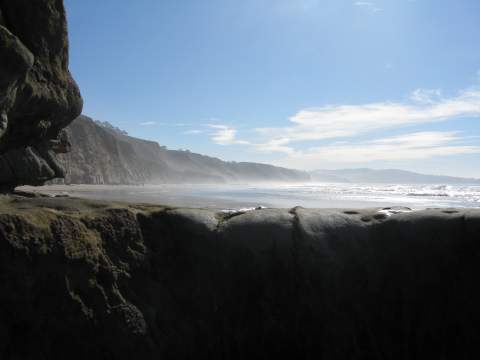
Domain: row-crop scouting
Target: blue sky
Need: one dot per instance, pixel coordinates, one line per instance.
(300, 83)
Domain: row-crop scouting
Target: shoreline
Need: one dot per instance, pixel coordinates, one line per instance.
(207, 197)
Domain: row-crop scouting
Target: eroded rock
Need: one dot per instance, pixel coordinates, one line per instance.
(119, 281)
(38, 96)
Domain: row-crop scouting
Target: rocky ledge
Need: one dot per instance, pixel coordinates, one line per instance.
(92, 280)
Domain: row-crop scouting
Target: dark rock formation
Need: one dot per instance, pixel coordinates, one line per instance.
(88, 280)
(38, 96)
(105, 155)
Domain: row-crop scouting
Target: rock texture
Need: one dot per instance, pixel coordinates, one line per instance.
(38, 96)
(103, 155)
(90, 280)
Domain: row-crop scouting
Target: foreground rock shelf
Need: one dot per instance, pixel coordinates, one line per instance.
(83, 279)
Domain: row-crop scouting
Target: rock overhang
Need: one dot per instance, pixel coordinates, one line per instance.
(38, 96)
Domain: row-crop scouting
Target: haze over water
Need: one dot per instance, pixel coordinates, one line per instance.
(310, 195)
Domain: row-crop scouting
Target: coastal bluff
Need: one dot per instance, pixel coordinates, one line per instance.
(86, 279)
(103, 154)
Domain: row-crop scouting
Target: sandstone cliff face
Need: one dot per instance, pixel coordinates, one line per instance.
(101, 155)
(38, 96)
(90, 280)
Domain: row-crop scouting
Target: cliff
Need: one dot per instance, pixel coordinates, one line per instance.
(38, 96)
(91, 280)
(103, 155)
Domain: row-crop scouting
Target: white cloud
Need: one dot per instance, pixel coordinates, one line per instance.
(426, 96)
(369, 5)
(275, 145)
(148, 123)
(225, 135)
(193, 132)
(414, 146)
(338, 126)
(342, 121)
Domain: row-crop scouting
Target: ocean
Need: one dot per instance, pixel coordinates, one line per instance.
(309, 195)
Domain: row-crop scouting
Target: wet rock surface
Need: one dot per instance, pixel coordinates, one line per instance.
(94, 280)
(38, 96)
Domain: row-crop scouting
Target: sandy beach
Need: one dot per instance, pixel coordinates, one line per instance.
(222, 197)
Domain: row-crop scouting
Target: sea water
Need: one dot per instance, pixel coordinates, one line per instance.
(350, 195)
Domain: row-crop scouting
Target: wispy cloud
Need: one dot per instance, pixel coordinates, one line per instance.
(426, 96)
(225, 135)
(337, 128)
(278, 145)
(368, 5)
(148, 123)
(193, 132)
(343, 121)
(414, 146)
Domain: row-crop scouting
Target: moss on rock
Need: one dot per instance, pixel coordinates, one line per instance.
(115, 281)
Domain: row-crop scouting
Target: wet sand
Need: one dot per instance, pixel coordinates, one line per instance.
(192, 196)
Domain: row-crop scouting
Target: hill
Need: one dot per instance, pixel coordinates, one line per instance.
(102, 154)
(387, 176)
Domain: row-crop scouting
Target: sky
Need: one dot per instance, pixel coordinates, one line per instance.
(306, 84)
